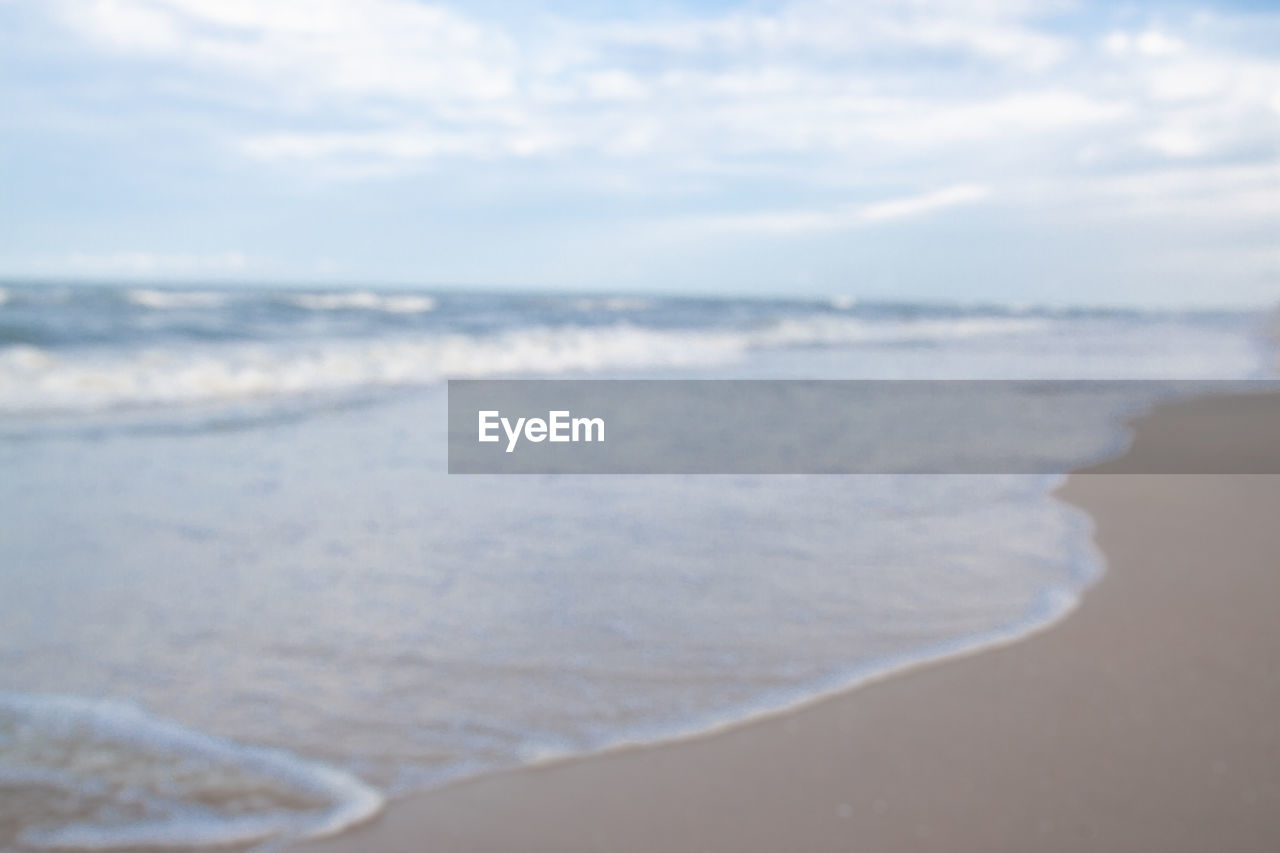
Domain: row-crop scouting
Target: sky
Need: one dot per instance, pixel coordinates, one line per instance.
(986, 150)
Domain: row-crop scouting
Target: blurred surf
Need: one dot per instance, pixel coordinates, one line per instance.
(262, 607)
(92, 349)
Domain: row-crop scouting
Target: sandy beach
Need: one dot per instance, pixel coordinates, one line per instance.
(1147, 719)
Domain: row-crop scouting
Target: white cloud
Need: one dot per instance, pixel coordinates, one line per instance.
(312, 49)
(842, 217)
(765, 108)
(614, 85)
(992, 31)
(414, 81)
(901, 208)
(358, 88)
(368, 87)
(1175, 142)
(1156, 43)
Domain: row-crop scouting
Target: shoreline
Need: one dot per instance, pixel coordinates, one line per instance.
(1020, 746)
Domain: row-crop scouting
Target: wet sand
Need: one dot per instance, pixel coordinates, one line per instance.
(1147, 719)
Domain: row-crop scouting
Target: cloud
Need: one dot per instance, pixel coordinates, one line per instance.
(1147, 43)
(378, 87)
(784, 116)
(902, 208)
(306, 50)
(839, 218)
(409, 81)
(992, 31)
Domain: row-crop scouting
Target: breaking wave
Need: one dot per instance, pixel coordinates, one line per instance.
(363, 300)
(165, 299)
(41, 380)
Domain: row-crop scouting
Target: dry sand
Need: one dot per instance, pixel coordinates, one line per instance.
(1147, 720)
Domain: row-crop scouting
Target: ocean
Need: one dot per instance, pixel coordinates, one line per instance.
(241, 602)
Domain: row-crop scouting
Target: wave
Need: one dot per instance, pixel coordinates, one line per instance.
(837, 331)
(35, 380)
(116, 776)
(363, 300)
(4, 296)
(168, 299)
(612, 304)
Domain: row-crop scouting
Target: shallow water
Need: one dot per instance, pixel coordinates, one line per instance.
(240, 600)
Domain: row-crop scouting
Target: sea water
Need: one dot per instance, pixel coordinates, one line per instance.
(241, 601)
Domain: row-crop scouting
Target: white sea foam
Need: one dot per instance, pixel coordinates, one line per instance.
(183, 787)
(615, 304)
(169, 299)
(364, 300)
(822, 330)
(36, 380)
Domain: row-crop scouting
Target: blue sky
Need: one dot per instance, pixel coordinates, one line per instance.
(980, 150)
